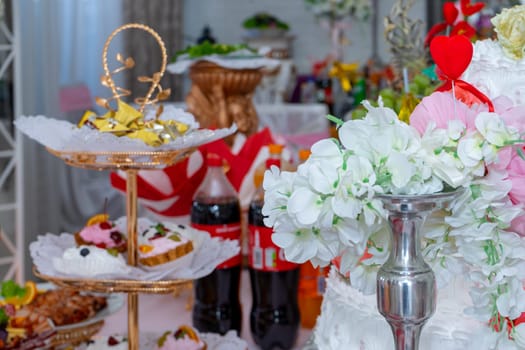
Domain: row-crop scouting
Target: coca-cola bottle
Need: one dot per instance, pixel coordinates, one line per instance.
(216, 209)
(274, 317)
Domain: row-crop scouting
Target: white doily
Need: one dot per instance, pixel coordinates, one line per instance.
(242, 59)
(207, 253)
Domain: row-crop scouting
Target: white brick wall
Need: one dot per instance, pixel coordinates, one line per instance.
(311, 41)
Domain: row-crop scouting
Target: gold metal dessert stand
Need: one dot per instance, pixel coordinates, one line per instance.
(131, 163)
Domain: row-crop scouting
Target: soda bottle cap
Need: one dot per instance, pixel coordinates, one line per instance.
(271, 161)
(213, 159)
(304, 154)
(275, 148)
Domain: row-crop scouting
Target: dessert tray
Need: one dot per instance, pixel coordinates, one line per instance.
(127, 139)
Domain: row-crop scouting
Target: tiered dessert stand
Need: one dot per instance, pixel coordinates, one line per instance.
(131, 163)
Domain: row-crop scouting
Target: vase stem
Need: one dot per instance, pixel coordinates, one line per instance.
(406, 292)
(406, 285)
(406, 336)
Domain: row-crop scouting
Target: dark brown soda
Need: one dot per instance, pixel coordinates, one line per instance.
(217, 308)
(274, 317)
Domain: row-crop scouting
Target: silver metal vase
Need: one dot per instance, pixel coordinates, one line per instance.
(406, 285)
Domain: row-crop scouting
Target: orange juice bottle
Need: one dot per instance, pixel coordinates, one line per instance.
(311, 290)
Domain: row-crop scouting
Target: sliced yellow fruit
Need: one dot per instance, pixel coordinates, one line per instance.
(12, 331)
(144, 248)
(29, 296)
(97, 219)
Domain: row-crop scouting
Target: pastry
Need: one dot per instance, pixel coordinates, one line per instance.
(101, 232)
(184, 338)
(159, 245)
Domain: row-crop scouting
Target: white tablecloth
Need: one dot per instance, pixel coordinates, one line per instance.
(159, 313)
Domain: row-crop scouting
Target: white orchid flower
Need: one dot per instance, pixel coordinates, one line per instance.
(518, 333)
(494, 130)
(299, 244)
(306, 206)
(363, 278)
(278, 188)
(455, 130)
(401, 169)
(512, 303)
(470, 152)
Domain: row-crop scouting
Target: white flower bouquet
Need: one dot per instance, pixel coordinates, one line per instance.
(328, 207)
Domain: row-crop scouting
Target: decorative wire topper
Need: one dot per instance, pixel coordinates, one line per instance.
(126, 120)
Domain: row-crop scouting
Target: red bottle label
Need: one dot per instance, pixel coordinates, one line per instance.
(225, 231)
(263, 254)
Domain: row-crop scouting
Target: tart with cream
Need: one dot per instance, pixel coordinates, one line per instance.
(159, 245)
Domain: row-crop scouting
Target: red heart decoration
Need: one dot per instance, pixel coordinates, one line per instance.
(450, 12)
(469, 9)
(451, 54)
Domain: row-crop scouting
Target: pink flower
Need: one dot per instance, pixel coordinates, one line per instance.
(439, 108)
(510, 160)
(516, 170)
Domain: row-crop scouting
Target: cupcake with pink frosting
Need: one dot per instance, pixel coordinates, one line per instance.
(101, 232)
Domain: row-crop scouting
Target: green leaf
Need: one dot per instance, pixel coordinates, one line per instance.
(337, 121)
(4, 318)
(160, 228)
(206, 49)
(11, 289)
(162, 339)
(520, 153)
(476, 191)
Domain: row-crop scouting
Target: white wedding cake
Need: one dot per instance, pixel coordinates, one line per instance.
(350, 320)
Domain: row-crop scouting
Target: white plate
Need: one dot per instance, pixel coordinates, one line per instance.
(114, 303)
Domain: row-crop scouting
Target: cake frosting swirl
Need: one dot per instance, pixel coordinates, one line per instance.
(496, 74)
(350, 320)
(90, 261)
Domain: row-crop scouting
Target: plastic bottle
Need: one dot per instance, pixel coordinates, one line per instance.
(274, 317)
(312, 284)
(309, 91)
(275, 152)
(216, 209)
